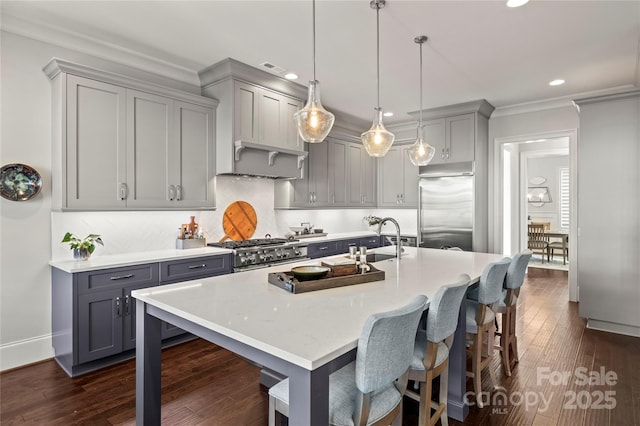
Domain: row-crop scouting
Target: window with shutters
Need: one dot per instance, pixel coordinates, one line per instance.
(564, 197)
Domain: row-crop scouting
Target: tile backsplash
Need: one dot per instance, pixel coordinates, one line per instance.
(135, 231)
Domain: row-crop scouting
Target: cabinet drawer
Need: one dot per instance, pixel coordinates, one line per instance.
(199, 267)
(105, 279)
(322, 249)
(370, 242)
(343, 246)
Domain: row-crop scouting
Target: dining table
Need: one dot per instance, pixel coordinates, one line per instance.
(303, 336)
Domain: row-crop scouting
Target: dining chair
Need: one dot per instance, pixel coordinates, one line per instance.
(369, 390)
(431, 352)
(538, 240)
(480, 320)
(558, 245)
(507, 305)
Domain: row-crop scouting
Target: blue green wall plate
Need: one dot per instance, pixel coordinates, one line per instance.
(19, 182)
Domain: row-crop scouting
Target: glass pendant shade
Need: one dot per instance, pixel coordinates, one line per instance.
(377, 140)
(421, 153)
(313, 121)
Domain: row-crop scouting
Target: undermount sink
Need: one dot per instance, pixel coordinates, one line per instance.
(378, 257)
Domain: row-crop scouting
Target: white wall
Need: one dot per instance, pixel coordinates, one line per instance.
(549, 168)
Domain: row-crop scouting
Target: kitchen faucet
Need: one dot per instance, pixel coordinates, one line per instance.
(398, 240)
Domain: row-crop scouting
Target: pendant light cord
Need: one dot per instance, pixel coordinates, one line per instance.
(378, 48)
(421, 84)
(314, 39)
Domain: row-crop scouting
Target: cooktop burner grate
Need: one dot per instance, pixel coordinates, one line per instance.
(250, 243)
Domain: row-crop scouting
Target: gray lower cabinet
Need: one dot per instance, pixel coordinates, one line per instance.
(331, 248)
(93, 313)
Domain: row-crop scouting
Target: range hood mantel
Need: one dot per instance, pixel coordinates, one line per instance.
(253, 151)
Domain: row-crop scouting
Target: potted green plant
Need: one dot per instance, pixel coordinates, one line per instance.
(82, 248)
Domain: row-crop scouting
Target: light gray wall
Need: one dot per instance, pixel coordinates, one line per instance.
(549, 168)
(609, 211)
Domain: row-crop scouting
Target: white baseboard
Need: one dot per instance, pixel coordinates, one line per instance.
(612, 327)
(23, 352)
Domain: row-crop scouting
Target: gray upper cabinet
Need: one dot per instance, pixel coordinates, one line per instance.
(118, 147)
(397, 179)
(264, 116)
(361, 178)
(452, 137)
(336, 174)
(255, 133)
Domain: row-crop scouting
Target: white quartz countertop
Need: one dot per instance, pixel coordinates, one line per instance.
(128, 259)
(309, 329)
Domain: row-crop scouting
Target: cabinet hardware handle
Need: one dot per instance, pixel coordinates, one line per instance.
(315, 197)
(364, 199)
(447, 153)
(178, 192)
(118, 311)
(123, 191)
(352, 244)
(323, 248)
(198, 266)
(172, 192)
(333, 198)
(121, 277)
(443, 153)
(126, 305)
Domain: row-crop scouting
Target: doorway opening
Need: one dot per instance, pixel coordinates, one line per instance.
(532, 172)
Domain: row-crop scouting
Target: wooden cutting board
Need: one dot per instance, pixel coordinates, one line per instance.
(239, 221)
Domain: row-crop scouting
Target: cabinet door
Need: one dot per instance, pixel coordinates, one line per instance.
(368, 178)
(99, 324)
(339, 178)
(150, 150)
(192, 156)
(129, 318)
(319, 173)
(292, 139)
(354, 175)
(409, 196)
(435, 135)
(246, 112)
(460, 138)
(272, 121)
(95, 145)
(329, 248)
(370, 242)
(390, 183)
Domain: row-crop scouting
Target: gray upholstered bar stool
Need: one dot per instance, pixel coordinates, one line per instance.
(507, 308)
(370, 389)
(480, 320)
(431, 353)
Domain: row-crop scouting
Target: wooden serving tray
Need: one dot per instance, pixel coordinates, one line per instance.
(286, 281)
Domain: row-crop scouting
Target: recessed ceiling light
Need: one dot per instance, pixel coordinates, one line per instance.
(388, 114)
(557, 82)
(291, 76)
(516, 3)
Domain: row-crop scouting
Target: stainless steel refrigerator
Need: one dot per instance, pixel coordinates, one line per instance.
(446, 206)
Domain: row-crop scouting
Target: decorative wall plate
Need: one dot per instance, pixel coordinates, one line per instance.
(19, 182)
(537, 180)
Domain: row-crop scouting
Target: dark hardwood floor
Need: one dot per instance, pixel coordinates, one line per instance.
(206, 385)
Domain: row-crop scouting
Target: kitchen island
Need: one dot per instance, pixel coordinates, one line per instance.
(303, 336)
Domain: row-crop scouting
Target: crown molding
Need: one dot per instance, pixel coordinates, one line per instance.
(479, 106)
(231, 68)
(556, 103)
(178, 76)
(610, 97)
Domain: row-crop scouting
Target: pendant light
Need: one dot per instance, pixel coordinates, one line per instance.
(377, 140)
(421, 152)
(313, 121)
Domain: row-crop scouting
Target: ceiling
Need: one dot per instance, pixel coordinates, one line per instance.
(476, 49)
